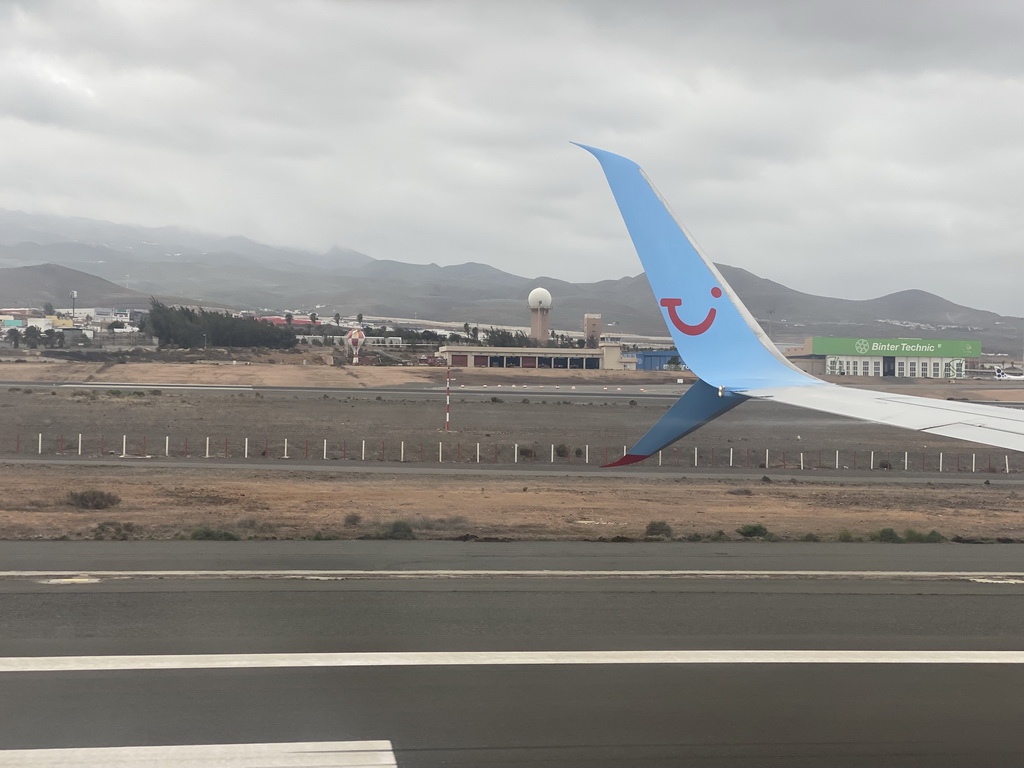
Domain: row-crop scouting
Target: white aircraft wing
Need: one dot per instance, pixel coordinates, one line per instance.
(997, 426)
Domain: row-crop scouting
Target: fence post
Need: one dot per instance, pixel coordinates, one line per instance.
(552, 453)
(871, 465)
(286, 447)
(478, 453)
(515, 453)
(124, 445)
(245, 450)
(940, 461)
(766, 458)
(40, 449)
(363, 455)
(695, 455)
(974, 459)
(730, 457)
(401, 451)
(208, 448)
(906, 460)
(440, 452)
(837, 459)
(659, 458)
(801, 461)
(586, 454)
(1006, 456)
(79, 443)
(325, 449)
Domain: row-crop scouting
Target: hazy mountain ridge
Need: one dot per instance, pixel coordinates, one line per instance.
(176, 264)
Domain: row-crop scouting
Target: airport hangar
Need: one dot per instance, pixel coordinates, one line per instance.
(902, 358)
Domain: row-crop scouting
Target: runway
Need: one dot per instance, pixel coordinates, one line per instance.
(567, 654)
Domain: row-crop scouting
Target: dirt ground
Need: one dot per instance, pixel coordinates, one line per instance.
(255, 503)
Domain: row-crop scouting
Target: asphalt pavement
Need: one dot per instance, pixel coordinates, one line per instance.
(539, 654)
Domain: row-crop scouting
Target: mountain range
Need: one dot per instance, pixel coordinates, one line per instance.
(43, 258)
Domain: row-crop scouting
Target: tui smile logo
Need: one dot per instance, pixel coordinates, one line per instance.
(672, 305)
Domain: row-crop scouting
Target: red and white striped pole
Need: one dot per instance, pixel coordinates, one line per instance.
(448, 401)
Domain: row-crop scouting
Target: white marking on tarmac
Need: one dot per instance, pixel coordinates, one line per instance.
(492, 658)
(70, 577)
(323, 754)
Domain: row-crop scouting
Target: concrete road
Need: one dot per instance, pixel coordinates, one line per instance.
(938, 633)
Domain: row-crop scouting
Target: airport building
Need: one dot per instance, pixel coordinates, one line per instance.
(607, 357)
(904, 358)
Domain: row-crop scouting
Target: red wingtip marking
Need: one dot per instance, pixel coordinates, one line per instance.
(629, 458)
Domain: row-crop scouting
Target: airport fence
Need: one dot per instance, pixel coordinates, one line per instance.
(449, 451)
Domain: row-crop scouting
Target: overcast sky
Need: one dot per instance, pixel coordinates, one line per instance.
(849, 149)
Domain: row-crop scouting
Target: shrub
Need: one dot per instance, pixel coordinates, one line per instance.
(916, 537)
(719, 535)
(353, 519)
(658, 528)
(399, 529)
(884, 464)
(578, 452)
(886, 535)
(845, 535)
(114, 531)
(561, 450)
(695, 536)
(740, 492)
(205, 533)
(752, 530)
(810, 537)
(525, 453)
(632, 403)
(93, 499)
(496, 399)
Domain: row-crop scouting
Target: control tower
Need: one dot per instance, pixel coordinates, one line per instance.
(540, 304)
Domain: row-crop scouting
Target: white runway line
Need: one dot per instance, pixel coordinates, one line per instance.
(491, 658)
(319, 754)
(80, 577)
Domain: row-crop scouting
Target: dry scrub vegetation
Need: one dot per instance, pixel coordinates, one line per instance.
(166, 504)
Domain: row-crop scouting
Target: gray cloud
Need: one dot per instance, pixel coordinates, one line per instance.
(846, 148)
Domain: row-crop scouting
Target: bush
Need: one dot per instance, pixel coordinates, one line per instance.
(886, 535)
(845, 535)
(496, 399)
(578, 452)
(205, 533)
(658, 528)
(740, 492)
(114, 531)
(810, 537)
(353, 519)
(561, 450)
(719, 535)
(632, 403)
(695, 536)
(525, 453)
(916, 537)
(93, 499)
(752, 530)
(399, 529)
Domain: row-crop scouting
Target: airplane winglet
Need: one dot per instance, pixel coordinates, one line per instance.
(629, 458)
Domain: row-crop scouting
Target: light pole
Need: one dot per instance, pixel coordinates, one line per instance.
(74, 295)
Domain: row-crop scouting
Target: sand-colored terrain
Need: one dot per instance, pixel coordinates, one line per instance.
(255, 502)
(157, 503)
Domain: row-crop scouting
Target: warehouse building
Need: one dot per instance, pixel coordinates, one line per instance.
(905, 358)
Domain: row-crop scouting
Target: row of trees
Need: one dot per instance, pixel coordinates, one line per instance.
(33, 337)
(196, 328)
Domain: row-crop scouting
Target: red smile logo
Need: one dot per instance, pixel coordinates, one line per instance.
(690, 330)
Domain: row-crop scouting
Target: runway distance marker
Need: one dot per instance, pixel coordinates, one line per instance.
(491, 658)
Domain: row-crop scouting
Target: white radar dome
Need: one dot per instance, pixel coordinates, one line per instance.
(539, 298)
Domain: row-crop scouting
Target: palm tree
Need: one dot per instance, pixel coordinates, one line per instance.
(337, 318)
(288, 318)
(14, 336)
(32, 335)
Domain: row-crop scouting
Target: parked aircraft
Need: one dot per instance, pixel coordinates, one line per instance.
(1001, 374)
(735, 361)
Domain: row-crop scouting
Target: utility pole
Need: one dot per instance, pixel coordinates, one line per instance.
(73, 295)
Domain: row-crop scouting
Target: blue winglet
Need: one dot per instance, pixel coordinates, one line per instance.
(714, 333)
(699, 404)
